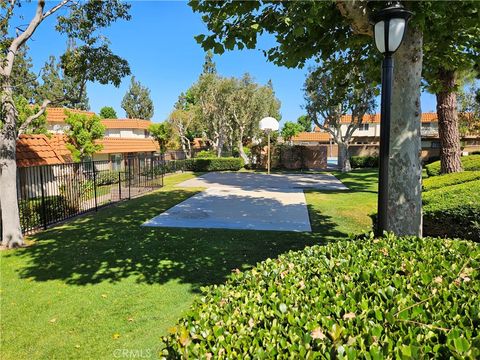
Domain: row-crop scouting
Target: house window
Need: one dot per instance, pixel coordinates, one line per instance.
(363, 127)
(116, 160)
(435, 145)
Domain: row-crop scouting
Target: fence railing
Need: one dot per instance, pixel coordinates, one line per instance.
(49, 194)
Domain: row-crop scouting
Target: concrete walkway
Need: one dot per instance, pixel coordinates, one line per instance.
(247, 201)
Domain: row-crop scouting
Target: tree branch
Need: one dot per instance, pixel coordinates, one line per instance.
(32, 118)
(55, 8)
(356, 12)
(6, 70)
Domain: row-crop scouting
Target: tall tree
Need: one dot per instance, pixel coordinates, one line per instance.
(333, 90)
(248, 104)
(290, 129)
(82, 133)
(452, 48)
(305, 122)
(24, 80)
(108, 112)
(62, 89)
(137, 102)
(92, 61)
(318, 29)
(209, 66)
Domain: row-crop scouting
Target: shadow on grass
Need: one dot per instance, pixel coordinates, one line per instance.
(110, 245)
(359, 180)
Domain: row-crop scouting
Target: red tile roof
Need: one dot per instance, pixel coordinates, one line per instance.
(312, 136)
(126, 123)
(113, 145)
(33, 150)
(375, 119)
(55, 114)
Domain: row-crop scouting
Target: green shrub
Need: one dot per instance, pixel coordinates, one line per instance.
(214, 164)
(364, 161)
(106, 178)
(371, 298)
(453, 211)
(205, 154)
(469, 163)
(33, 215)
(442, 181)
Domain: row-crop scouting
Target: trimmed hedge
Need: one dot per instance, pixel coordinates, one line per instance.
(214, 164)
(441, 181)
(205, 154)
(371, 298)
(469, 163)
(453, 211)
(364, 161)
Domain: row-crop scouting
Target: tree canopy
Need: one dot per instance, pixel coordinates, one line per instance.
(62, 90)
(305, 122)
(290, 129)
(82, 133)
(137, 102)
(108, 112)
(162, 133)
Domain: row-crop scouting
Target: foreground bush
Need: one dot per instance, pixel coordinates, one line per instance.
(364, 161)
(370, 298)
(453, 211)
(469, 163)
(442, 181)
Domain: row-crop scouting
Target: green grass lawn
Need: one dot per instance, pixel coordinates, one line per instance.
(102, 282)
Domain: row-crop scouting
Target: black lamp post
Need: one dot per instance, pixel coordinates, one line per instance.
(390, 25)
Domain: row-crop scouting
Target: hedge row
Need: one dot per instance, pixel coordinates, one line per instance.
(453, 211)
(215, 164)
(393, 297)
(437, 182)
(469, 163)
(205, 164)
(364, 161)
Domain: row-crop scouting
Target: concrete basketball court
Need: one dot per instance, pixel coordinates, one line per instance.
(247, 201)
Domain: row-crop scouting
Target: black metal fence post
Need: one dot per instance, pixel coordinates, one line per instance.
(95, 185)
(129, 178)
(119, 185)
(44, 207)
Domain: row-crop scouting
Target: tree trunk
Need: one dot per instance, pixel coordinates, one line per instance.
(11, 230)
(343, 158)
(240, 146)
(448, 123)
(220, 144)
(405, 170)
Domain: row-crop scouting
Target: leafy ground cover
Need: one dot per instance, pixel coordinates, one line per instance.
(101, 282)
(404, 298)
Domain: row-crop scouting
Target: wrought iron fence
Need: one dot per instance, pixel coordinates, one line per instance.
(52, 193)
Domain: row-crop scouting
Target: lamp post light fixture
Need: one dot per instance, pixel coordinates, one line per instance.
(268, 125)
(390, 25)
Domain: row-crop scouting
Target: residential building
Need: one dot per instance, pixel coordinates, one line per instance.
(366, 139)
(124, 138)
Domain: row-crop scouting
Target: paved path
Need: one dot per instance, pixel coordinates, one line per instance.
(247, 201)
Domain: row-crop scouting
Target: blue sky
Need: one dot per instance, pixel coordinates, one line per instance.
(163, 55)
